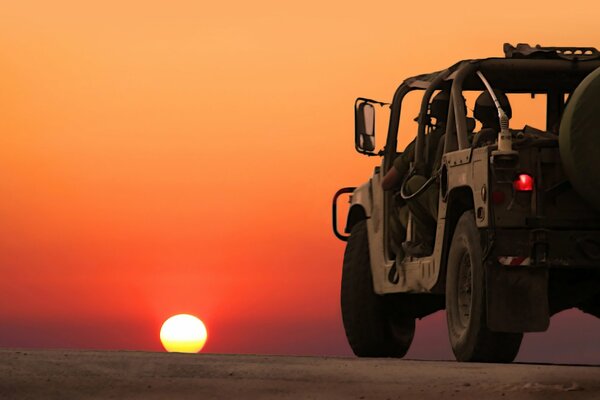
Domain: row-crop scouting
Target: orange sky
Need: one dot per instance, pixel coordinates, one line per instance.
(165, 157)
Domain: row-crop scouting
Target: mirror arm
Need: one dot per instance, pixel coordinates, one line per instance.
(380, 153)
(381, 103)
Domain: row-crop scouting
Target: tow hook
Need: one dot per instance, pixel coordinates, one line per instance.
(539, 246)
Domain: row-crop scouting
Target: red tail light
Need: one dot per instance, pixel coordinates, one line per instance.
(523, 183)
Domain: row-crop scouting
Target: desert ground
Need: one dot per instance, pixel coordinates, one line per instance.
(71, 374)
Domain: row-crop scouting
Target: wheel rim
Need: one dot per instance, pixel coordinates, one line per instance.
(465, 289)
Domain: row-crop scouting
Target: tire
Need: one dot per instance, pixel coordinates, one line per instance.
(592, 306)
(578, 140)
(470, 338)
(372, 327)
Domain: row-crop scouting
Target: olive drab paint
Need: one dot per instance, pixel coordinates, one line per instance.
(580, 139)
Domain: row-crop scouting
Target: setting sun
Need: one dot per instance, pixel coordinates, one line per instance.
(183, 333)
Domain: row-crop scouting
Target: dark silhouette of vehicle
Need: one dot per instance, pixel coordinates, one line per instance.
(518, 223)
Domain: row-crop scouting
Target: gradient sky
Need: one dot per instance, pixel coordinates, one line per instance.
(166, 157)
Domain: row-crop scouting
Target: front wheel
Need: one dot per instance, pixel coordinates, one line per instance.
(470, 337)
(372, 326)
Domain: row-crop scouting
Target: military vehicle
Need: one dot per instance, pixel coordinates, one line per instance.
(517, 230)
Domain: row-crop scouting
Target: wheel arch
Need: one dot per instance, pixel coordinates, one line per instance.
(360, 206)
(356, 214)
(459, 200)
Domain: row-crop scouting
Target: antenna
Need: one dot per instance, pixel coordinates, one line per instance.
(504, 136)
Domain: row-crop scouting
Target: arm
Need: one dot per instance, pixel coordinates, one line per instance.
(393, 178)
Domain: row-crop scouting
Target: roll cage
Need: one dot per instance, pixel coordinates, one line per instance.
(554, 71)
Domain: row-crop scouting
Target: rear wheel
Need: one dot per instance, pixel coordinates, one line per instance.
(372, 326)
(592, 306)
(470, 338)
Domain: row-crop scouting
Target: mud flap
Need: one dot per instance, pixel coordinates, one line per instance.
(517, 298)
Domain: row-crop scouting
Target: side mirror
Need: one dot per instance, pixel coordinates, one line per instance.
(364, 127)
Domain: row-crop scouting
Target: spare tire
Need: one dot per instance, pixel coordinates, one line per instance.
(579, 139)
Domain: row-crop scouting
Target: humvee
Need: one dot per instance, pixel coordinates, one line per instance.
(518, 223)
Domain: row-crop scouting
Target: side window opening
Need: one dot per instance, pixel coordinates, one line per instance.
(528, 110)
(408, 127)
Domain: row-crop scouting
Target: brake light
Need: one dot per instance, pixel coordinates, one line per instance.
(523, 183)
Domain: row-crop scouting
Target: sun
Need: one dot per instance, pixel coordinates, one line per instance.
(183, 333)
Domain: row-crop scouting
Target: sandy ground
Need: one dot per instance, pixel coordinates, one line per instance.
(69, 374)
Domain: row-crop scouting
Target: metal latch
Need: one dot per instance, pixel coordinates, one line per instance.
(539, 246)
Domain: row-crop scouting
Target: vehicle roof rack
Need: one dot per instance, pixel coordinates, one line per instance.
(524, 50)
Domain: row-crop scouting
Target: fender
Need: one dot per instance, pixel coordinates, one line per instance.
(361, 205)
(367, 203)
(372, 198)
